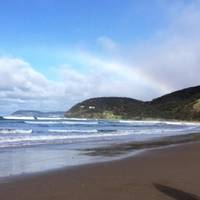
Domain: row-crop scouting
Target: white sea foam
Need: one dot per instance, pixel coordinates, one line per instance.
(159, 122)
(54, 135)
(78, 119)
(15, 131)
(46, 138)
(18, 118)
(72, 131)
(182, 123)
(50, 118)
(62, 122)
(140, 121)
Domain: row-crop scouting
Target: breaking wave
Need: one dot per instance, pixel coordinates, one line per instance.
(15, 131)
(158, 122)
(62, 122)
(72, 131)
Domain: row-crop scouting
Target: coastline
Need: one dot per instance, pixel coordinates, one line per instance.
(154, 174)
(127, 147)
(29, 161)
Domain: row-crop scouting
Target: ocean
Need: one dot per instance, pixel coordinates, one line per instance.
(30, 145)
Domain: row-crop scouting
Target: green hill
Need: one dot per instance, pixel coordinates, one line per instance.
(180, 105)
(107, 107)
(183, 104)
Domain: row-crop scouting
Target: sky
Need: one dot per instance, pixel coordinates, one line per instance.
(55, 53)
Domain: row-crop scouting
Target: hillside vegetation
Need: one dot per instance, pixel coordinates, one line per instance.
(180, 105)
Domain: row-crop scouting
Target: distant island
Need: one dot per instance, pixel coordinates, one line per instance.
(179, 105)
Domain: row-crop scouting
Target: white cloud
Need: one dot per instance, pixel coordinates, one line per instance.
(23, 87)
(18, 76)
(102, 77)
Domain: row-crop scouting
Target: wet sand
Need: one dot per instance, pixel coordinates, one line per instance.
(168, 173)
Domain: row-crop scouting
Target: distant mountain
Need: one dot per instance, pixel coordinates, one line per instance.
(180, 105)
(34, 113)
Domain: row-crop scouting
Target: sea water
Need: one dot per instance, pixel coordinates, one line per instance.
(32, 145)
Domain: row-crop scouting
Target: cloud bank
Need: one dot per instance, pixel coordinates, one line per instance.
(22, 87)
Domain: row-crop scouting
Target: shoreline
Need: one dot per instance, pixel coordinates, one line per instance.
(123, 157)
(110, 159)
(123, 148)
(19, 177)
(91, 155)
(144, 176)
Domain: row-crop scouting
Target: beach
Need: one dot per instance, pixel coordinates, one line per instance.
(100, 100)
(164, 173)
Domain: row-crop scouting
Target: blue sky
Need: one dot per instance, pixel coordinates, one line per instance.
(65, 51)
(27, 26)
(60, 24)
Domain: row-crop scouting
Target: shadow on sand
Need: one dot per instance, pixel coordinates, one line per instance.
(175, 193)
